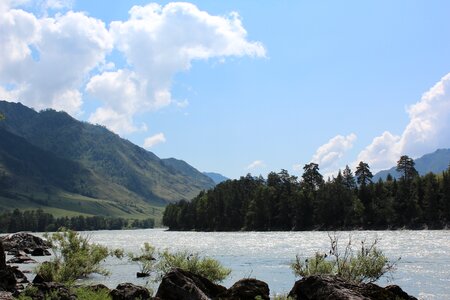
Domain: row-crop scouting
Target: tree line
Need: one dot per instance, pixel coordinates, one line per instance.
(346, 201)
(40, 221)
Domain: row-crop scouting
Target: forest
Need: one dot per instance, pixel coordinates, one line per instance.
(40, 221)
(346, 201)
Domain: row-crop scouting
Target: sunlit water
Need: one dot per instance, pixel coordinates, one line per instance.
(423, 271)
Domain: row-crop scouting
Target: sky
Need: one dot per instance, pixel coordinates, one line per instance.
(239, 87)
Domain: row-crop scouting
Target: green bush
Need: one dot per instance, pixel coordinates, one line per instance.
(146, 260)
(204, 266)
(74, 257)
(368, 265)
(85, 293)
(161, 262)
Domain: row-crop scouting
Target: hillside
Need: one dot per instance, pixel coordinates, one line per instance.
(216, 177)
(435, 162)
(85, 160)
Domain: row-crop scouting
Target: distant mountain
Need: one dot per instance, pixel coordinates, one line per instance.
(49, 153)
(216, 177)
(435, 162)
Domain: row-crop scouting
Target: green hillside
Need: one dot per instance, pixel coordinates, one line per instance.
(51, 159)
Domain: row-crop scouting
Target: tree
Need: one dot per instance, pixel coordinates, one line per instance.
(405, 166)
(312, 179)
(349, 179)
(363, 174)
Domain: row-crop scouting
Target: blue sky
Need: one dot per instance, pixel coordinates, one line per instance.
(240, 87)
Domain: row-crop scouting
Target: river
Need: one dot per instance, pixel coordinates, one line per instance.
(423, 270)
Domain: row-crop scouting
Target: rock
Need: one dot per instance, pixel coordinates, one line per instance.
(22, 259)
(20, 277)
(7, 280)
(180, 284)
(142, 274)
(129, 291)
(41, 291)
(40, 252)
(247, 289)
(6, 296)
(331, 287)
(2, 257)
(23, 241)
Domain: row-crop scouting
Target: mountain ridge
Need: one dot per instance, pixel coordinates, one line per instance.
(127, 170)
(435, 162)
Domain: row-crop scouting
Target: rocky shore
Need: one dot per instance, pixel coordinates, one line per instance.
(180, 284)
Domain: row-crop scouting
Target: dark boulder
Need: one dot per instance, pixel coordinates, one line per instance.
(129, 291)
(247, 289)
(40, 252)
(7, 280)
(23, 241)
(180, 284)
(331, 287)
(2, 257)
(20, 277)
(21, 259)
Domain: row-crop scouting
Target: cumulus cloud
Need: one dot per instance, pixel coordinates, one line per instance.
(158, 42)
(45, 61)
(53, 61)
(328, 154)
(256, 164)
(428, 129)
(154, 140)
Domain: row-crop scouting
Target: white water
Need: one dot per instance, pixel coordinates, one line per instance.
(423, 271)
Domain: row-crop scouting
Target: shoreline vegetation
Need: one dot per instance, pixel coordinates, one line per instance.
(40, 221)
(283, 202)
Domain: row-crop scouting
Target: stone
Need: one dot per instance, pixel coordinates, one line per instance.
(180, 284)
(6, 296)
(7, 280)
(331, 287)
(40, 252)
(2, 257)
(247, 289)
(129, 291)
(22, 259)
(23, 241)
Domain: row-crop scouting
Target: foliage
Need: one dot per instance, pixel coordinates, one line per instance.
(74, 257)
(367, 265)
(161, 262)
(81, 293)
(40, 221)
(204, 266)
(284, 202)
(86, 293)
(146, 260)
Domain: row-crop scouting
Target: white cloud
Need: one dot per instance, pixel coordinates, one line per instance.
(52, 61)
(154, 140)
(328, 154)
(256, 164)
(428, 129)
(159, 42)
(46, 60)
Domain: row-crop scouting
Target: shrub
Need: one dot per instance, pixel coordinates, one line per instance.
(368, 265)
(74, 257)
(146, 260)
(161, 262)
(204, 266)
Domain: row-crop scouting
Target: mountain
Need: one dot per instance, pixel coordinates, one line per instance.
(216, 177)
(49, 154)
(435, 162)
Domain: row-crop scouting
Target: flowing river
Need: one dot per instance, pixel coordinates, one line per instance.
(423, 270)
